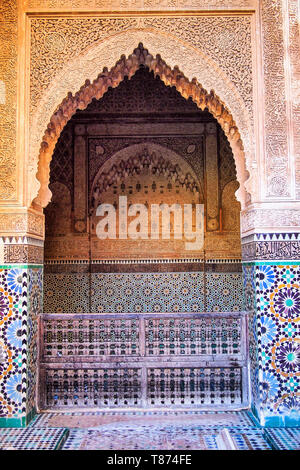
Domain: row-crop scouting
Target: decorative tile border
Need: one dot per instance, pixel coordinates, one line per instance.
(161, 292)
(273, 302)
(271, 246)
(20, 303)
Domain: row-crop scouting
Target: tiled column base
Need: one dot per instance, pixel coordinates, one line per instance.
(273, 300)
(20, 304)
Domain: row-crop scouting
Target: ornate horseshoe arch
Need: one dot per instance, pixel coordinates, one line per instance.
(111, 78)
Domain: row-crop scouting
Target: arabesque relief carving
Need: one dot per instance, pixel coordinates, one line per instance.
(216, 36)
(56, 45)
(294, 52)
(260, 218)
(146, 163)
(141, 4)
(277, 163)
(127, 67)
(153, 163)
(8, 76)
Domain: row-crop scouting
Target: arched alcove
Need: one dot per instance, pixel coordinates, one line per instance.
(143, 302)
(189, 88)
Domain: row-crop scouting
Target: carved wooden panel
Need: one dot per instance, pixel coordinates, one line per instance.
(209, 386)
(144, 360)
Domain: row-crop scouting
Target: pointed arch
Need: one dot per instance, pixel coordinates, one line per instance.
(112, 78)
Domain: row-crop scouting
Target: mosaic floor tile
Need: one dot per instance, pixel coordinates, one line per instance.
(148, 430)
(284, 439)
(149, 437)
(32, 439)
(249, 439)
(85, 420)
(142, 438)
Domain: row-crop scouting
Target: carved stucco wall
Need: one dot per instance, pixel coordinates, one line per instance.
(279, 82)
(8, 101)
(293, 12)
(193, 63)
(144, 5)
(277, 165)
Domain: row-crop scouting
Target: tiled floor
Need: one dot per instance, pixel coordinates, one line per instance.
(148, 430)
(284, 439)
(125, 437)
(32, 439)
(83, 420)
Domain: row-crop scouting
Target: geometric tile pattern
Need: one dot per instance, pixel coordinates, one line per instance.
(284, 438)
(181, 437)
(32, 439)
(147, 292)
(249, 439)
(169, 292)
(34, 309)
(18, 333)
(145, 430)
(250, 306)
(13, 291)
(66, 293)
(224, 292)
(275, 341)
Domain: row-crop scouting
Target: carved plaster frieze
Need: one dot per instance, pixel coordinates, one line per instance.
(294, 55)
(276, 138)
(30, 222)
(8, 102)
(21, 249)
(216, 36)
(27, 254)
(141, 5)
(265, 220)
(271, 250)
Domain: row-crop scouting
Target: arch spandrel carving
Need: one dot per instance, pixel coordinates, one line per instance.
(188, 86)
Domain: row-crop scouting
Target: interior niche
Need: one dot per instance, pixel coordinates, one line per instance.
(144, 141)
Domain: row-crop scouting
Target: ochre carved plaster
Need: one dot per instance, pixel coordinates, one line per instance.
(143, 158)
(294, 54)
(8, 103)
(278, 20)
(265, 219)
(277, 169)
(144, 5)
(23, 222)
(127, 67)
(54, 39)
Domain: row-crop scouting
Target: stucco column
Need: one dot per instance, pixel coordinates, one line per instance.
(21, 287)
(271, 266)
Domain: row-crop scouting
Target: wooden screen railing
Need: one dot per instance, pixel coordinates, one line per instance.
(143, 360)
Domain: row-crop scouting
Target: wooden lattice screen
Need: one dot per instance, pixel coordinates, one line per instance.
(143, 361)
